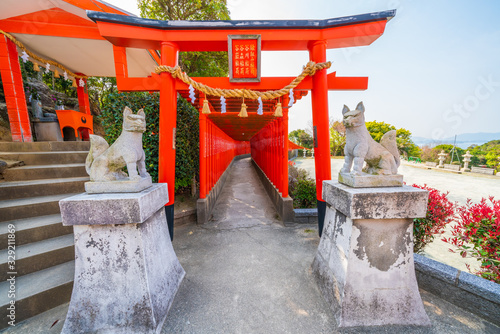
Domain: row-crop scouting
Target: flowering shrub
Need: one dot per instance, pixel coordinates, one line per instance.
(291, 163)
(477, 234)
(440, 211)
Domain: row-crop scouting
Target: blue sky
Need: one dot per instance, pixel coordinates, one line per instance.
(435, 71)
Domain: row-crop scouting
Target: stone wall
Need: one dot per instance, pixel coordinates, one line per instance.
(431, 164)
(481, 170)
(452, 167)
(470, 292)
(306, 216)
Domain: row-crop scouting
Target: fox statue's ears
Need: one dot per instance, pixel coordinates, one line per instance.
(360, 107)
(127, 111)
(141, 112)
(345, 110)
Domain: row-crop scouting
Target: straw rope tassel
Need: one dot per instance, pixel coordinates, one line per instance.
(279, 111)
(74, 83)
(243, 112)
(206, 108)
(35, 67)
(56, 74)
(309, 70)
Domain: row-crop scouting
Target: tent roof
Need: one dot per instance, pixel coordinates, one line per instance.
(60, 30)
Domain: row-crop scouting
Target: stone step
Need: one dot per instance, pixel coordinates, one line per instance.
(25, 173)
(44, 146)
(45, 187)
(46, 158)
(33, 229)
(37, 256)
(37, 292)
(30, 207)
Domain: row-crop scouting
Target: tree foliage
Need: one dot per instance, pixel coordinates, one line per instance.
(187, 149)
(487, 154)
(403, 137)
(302, 138)
(337, 138)
(197, 64)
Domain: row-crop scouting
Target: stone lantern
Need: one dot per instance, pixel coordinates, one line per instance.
(305, 152)
(442, 157)
(466, 157)
(312, 152)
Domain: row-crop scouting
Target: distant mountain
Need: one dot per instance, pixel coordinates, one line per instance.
(464, 140)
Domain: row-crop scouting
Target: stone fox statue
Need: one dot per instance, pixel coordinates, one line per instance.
(105, 163)
(381, 159)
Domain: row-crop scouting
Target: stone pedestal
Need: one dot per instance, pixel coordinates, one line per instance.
(47, 130)
(126, 270)
(367, 180)
(364, 264)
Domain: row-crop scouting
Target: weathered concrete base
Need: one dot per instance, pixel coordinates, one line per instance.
(364, 266)
(126, 275)
(125, 186)
(371, 181)
(283, 205)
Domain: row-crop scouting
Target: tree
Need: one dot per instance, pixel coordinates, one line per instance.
(306, 140)
(198, 64)
(447, 148)
(301, 137)
(337, 137)
(486, 154)
(403, 137)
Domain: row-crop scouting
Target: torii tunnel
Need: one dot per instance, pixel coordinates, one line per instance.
(225, 135)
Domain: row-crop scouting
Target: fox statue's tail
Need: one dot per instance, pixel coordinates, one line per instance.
(388, 141)
(97, 146)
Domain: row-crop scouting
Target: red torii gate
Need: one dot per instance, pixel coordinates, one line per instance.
(266, 133)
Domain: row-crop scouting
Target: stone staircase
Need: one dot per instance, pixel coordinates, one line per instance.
(29, 201)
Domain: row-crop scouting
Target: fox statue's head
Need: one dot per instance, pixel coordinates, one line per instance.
(134, 122)
(353, 118)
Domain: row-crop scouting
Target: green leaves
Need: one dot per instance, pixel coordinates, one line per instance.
(403, 137)
(187, 146)
(302, 188)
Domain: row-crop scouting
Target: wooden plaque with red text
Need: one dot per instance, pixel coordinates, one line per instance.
(244, 58)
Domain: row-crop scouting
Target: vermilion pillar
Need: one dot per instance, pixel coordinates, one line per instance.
(14, 92)
(83, 97)
(168, 119)
(83, 104)
(284, 173)
(203, 154)
(319, 97)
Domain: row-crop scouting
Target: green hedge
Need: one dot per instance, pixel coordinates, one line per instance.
(187, 144)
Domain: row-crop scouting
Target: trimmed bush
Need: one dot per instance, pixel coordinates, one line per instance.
(302, 189)
(187, 145)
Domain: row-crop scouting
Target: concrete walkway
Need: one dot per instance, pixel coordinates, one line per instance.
(247, 273)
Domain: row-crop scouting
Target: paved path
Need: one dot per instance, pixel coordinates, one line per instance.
(460, 187)
(247, 273)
